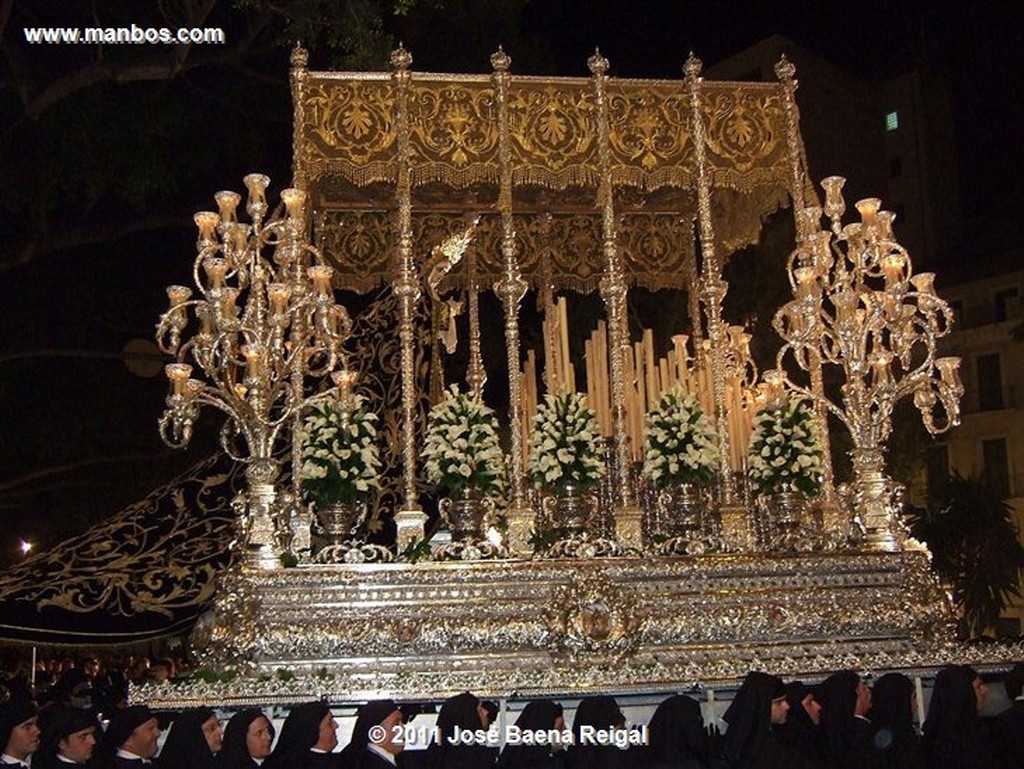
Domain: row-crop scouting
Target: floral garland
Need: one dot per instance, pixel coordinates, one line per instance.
(564, 444)
(462, 449)
(785, 450)
(679, 443)
(340, 459)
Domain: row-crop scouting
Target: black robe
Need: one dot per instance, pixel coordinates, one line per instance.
(459, 712)
(235, 752)
(369, 715)
(954, 737)
(1008, 736)
(300, 733)
(185, 746)
(676, 736)
(601, 713)
(749, 742)
(538, 715)
(801, 737)
(847, 737)
(895, 743)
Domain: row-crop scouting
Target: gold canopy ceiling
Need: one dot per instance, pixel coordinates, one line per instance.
(347, 157)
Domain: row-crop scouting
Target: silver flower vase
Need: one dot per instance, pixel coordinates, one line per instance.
(683, 507)
(465, 514)
(569, 510)
(339, 520)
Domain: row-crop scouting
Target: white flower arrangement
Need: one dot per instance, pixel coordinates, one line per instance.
(340, 459)
(679, 442)
(784, 449)
(564, 447)
(463, 450)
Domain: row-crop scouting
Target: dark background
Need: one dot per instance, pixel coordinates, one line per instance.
(106, 153)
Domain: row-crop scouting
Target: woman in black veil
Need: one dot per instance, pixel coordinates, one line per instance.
(371, 714)
(602, 713)
(248, 738)
(676, 736)
(460, 713)
(537, 716)
(896, 744)
(193, 742)
(801, 734)
(845, 701)
(749, 742)
(308, 739)
(954, 737)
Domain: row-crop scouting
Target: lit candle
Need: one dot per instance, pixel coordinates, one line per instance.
(177, 296)
(252, 360)
(868, 210)
(321, 275)
(278, 294)
(256, 184)
(344, 380)
(227, 202)
(294, 202)
(216, 267)
(835, 206)
(178, 373)
(207, 222)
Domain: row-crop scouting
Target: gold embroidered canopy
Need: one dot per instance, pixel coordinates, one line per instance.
(532, 145)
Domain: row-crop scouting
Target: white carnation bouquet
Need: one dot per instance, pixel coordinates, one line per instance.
(564, 446)
(463, 450)
(785, 450)
(340, 460)
(679, 442)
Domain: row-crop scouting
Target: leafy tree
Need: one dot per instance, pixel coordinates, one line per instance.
(975, 548)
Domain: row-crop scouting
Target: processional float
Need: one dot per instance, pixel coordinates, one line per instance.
(511, 183)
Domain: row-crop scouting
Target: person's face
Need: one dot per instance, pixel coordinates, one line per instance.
(863, 699)
(92, 668)
(259, 738)
(160, 672)
(780, 708)
(24, 739)
(813, 708)
(78, 746)
(328, 739)
(388, 744)
(142, 741)
(485, 716)
(213, 733)
(980, 691)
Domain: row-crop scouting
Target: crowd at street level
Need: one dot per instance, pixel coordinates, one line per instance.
(841, 723)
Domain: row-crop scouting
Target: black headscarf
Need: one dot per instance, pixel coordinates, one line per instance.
(300, 732)
(186, 746)
(601, 713)
(801, 736)
(56, 722)
(748, 741)
(538, 715)
(458, 711)
(369, 715)
(894, 744)
(845, 746)
(676, 734)
(235, 752)
(953, 733)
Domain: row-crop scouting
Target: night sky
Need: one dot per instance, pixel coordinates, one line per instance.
(78, 434)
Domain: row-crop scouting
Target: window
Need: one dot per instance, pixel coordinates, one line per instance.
(892, 121)
(1006, 304)
(895, 167)
(990, 383)
(996, 472)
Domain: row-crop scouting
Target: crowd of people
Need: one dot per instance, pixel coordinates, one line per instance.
(841, 723)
